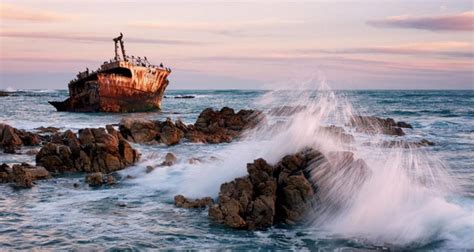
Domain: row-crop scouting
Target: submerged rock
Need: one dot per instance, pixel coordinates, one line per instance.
(183, 202)
(211, 127)
(376, 125)
(95, 150)
(184, 97)
(170, 159)
(23, 175)
(98, 179)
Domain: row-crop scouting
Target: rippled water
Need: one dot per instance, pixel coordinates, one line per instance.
(137, 214)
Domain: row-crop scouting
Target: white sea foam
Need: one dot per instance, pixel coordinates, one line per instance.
(405, 196)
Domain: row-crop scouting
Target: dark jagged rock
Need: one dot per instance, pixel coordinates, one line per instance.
(11, 139)
(169, 133)
(295, 192)
(23, 175)
(181, 201)
(210, 127)
(376, 125)
(5, 173)
(248, 202)
(95, 150)
(283, 193)
(138, 130)
(268, 195)
(3, 94)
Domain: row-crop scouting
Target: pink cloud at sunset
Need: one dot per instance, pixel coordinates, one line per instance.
(255, 43)
(453, 22)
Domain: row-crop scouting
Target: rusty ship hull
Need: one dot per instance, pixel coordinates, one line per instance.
(126, 85)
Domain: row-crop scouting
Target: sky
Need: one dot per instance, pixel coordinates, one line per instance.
(373, 44)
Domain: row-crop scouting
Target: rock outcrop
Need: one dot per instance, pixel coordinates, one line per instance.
(284, 193)
(23, 175)
(268, 195)
(93, 150)
(376, 125)
(210, 127)
(183, 202)
(11, 139)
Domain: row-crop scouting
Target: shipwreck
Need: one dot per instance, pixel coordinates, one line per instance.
(124, 84)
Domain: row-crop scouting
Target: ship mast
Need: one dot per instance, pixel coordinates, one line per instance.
(119, 39)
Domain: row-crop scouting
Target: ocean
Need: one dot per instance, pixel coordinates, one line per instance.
(421, 198)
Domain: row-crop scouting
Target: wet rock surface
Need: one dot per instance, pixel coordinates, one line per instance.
(23, 175)
(268, 195)
(377, 125)
(211, 126)
(170, 159)
(98, 179)
(283, 193)
(91, 150)
(183, 202)
(11, 139)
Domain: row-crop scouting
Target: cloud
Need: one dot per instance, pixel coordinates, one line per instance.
(46, 59)
(453, 49)
(89, 38)
(353, 63)
(220, 28)
(23, 13)
(453, 22)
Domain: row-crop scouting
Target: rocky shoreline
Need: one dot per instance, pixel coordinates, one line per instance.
(271, 194)
(211, 126)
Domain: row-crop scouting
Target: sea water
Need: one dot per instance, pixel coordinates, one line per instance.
(413, 198)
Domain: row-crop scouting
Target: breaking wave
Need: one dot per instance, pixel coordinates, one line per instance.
(394, 197)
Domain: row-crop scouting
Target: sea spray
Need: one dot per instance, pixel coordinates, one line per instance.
(402, 197)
